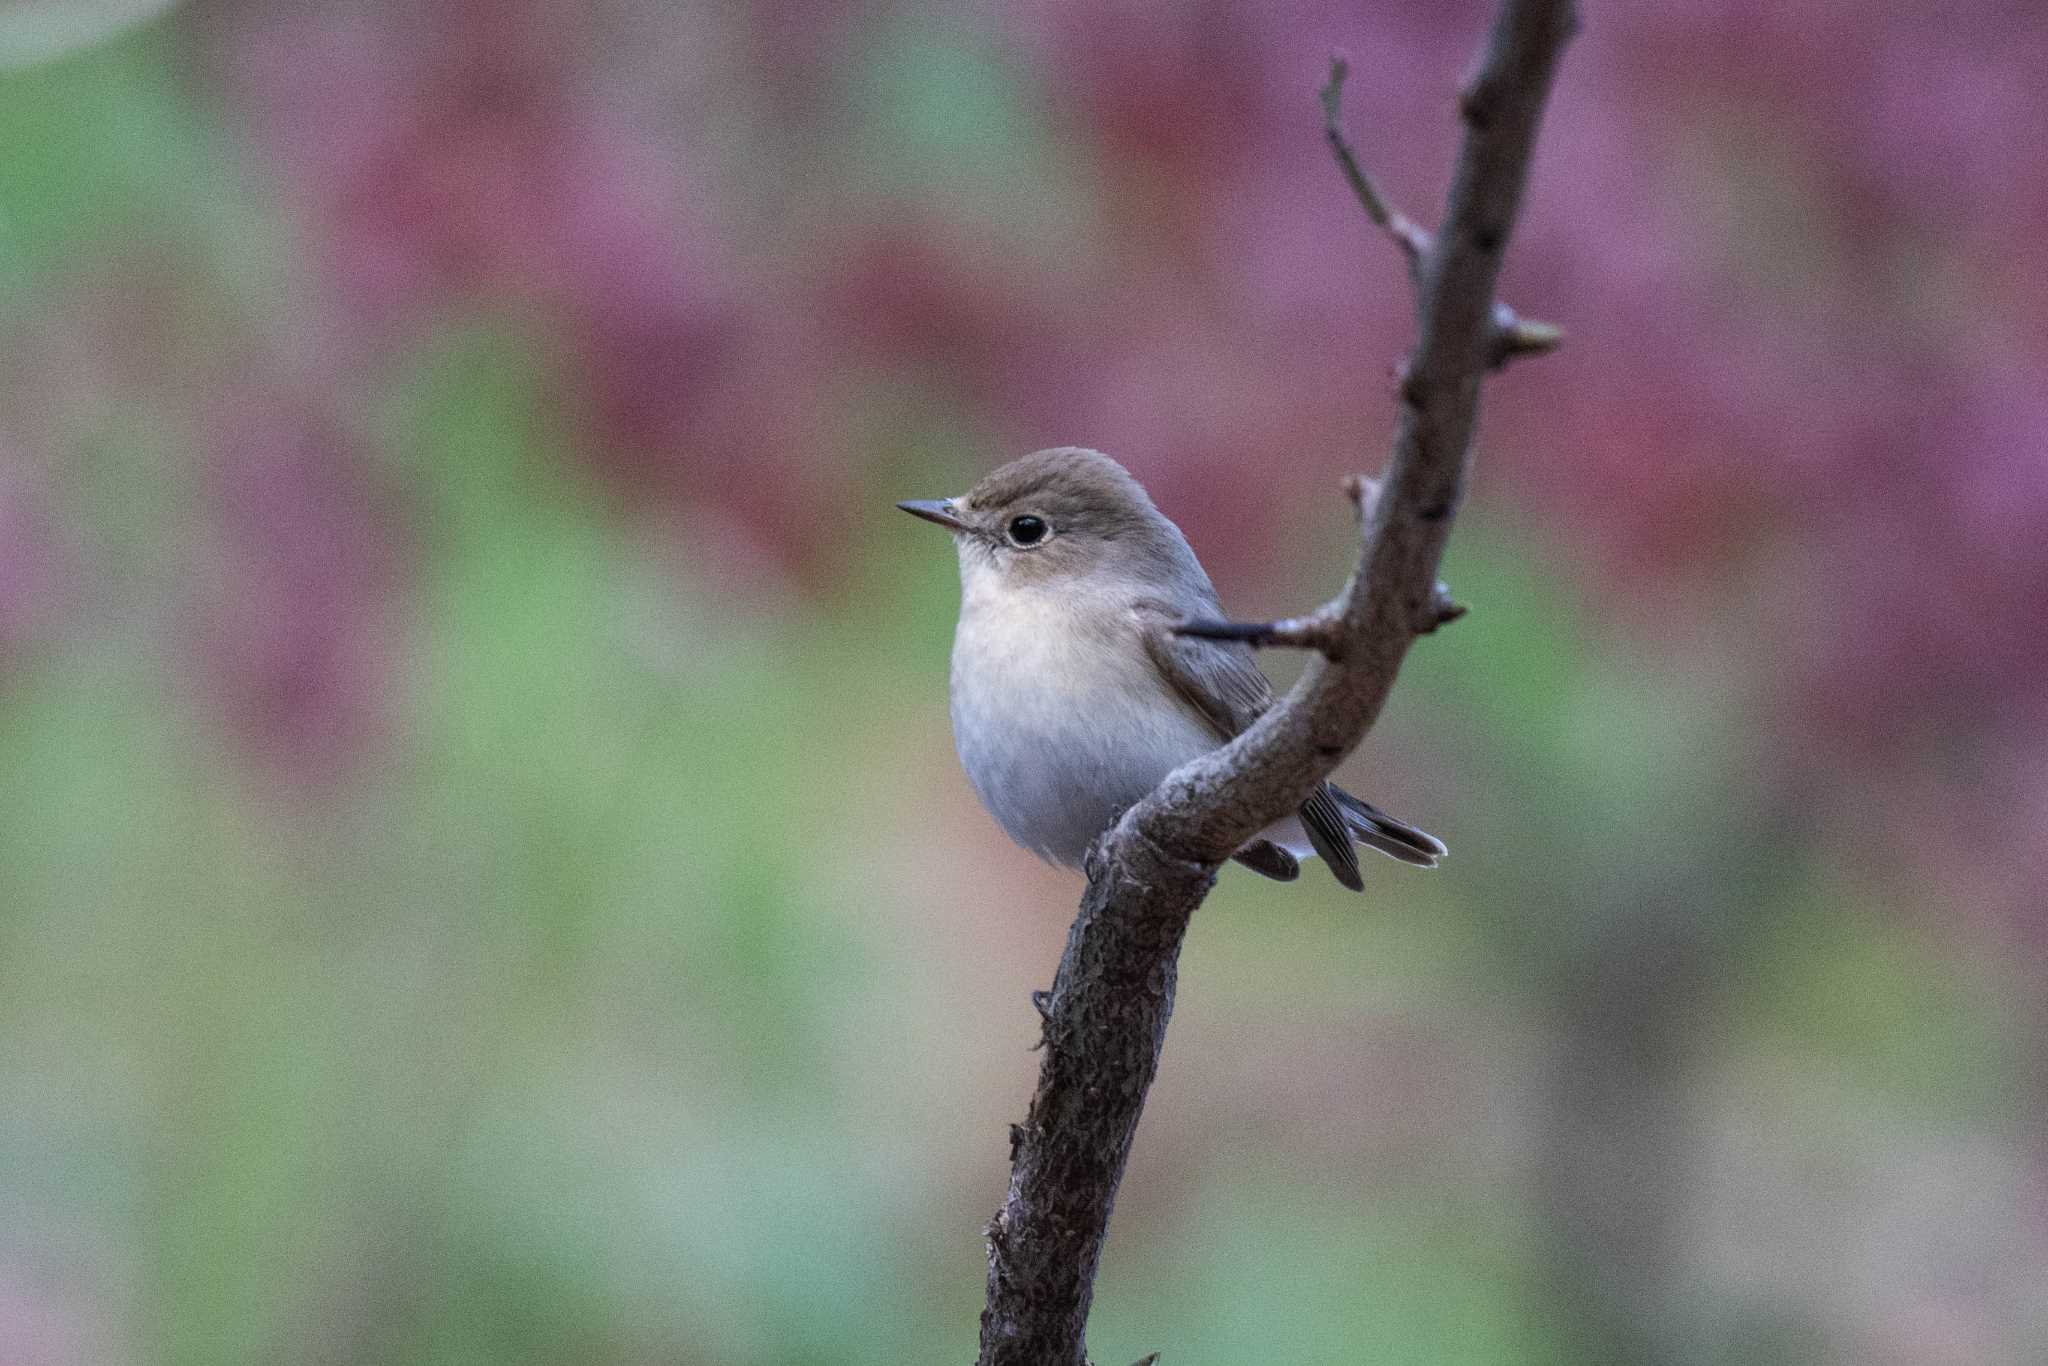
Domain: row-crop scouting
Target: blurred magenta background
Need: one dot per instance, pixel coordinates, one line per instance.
(483, 874)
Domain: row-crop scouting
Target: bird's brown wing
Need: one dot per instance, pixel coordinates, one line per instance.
(1221, 680)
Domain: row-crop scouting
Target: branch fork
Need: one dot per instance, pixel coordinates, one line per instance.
(1511, 335)
(1321, 630)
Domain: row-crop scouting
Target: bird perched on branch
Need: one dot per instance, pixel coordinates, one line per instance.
(1072, 693)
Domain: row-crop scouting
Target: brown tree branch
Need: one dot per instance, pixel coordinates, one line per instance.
(1105, 1022)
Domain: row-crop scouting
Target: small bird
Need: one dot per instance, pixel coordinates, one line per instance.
(1072, 696)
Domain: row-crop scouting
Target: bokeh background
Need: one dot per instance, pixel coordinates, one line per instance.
(483, 875)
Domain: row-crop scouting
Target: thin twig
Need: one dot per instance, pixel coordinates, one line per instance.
(1444, 609)
(1364, 492)
(1325, 635)
(1105, 1022)
(1411, 237)
(1513, 335)
(1318, 631)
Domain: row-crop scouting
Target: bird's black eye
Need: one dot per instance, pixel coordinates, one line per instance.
(1028, 531)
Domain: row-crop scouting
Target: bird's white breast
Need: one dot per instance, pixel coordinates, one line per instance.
(1059, 715)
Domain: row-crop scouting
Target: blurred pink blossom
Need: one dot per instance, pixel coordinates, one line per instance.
(469, 158)
(30, 573)
(295, 612)
(1793, 249)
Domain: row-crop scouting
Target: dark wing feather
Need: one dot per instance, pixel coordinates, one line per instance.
(1331, 835)
(1390, 835)
(1222, 681)
(1268, 859)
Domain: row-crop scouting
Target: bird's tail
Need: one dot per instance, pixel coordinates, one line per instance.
(1375, 829)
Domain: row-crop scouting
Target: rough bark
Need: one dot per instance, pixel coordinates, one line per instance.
(1106, 1016)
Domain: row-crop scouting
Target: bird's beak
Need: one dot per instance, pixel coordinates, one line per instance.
(938, 510)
